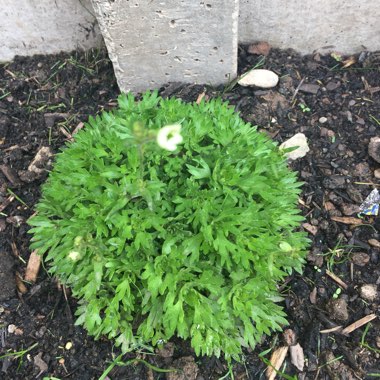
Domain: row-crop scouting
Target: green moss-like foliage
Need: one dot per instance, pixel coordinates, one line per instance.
(156, 243)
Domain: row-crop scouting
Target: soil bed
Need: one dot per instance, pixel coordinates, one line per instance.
(43, 99)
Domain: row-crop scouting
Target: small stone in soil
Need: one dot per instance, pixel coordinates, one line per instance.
(338, 309)
(374, 148)
(374, 243)
(298, 140)
(350, 209)
(360, 259)
(334, 182)
(368, 292)
(323, 120)
(376, 173)
(189, 369)
(309, 88)
(260, 78)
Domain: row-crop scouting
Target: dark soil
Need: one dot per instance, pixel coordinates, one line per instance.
(44, 98)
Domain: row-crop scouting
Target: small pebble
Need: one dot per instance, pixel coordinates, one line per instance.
(360, 259)
(68, 345)
(377, 173)
(375, 243)
(374, 148)
(322, 120)
(338, 309)
(259, 78)
(298, 140)
(368, 292)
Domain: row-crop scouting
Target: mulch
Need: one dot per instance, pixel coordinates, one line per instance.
(333, 100)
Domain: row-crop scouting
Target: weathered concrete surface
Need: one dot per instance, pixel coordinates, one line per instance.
(30, 27)
(151, 43)
(346, 26)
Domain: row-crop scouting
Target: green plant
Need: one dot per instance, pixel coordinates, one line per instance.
(304, 107)
(188, 241)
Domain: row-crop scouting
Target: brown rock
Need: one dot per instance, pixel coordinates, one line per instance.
(360, 259)
(362, 170)
(166, 351)
(309, 88)
(374, 148)
(376, 173)
(335, 182)
(375, 243)
(188, 370)
(259, 48)
(290, 337)
(338, 309)
(327, 132)
(350, 209)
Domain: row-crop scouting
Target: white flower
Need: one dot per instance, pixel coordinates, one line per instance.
(169, 137)
(74, 255)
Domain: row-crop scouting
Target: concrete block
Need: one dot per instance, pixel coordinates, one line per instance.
(154, 42)
(308, 25)
(31, 27)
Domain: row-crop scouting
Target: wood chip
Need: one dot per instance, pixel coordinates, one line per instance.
(310, 228)
(340, 282)
(200, 97)
(33, 267)
(276, 361)
(20, 285)
(347, 220)
(359, 323)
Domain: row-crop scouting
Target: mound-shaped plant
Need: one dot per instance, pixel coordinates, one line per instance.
(189, 241)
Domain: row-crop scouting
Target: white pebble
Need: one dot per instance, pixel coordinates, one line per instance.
(259, 78)
(299, 140)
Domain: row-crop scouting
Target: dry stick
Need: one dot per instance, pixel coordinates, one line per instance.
(296, 91)
(333, 329)
(337, 279)
(349, 329)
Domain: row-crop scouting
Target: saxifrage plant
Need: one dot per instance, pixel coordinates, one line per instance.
(190, 240)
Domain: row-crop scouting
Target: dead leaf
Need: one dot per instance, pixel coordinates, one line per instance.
(33, 267)
(347, 220)
(297, 357)
(276, 361)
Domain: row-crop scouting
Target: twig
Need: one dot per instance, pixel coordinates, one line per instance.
(296, 90)
(333, 329)
(340, 282)
(359, 323)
